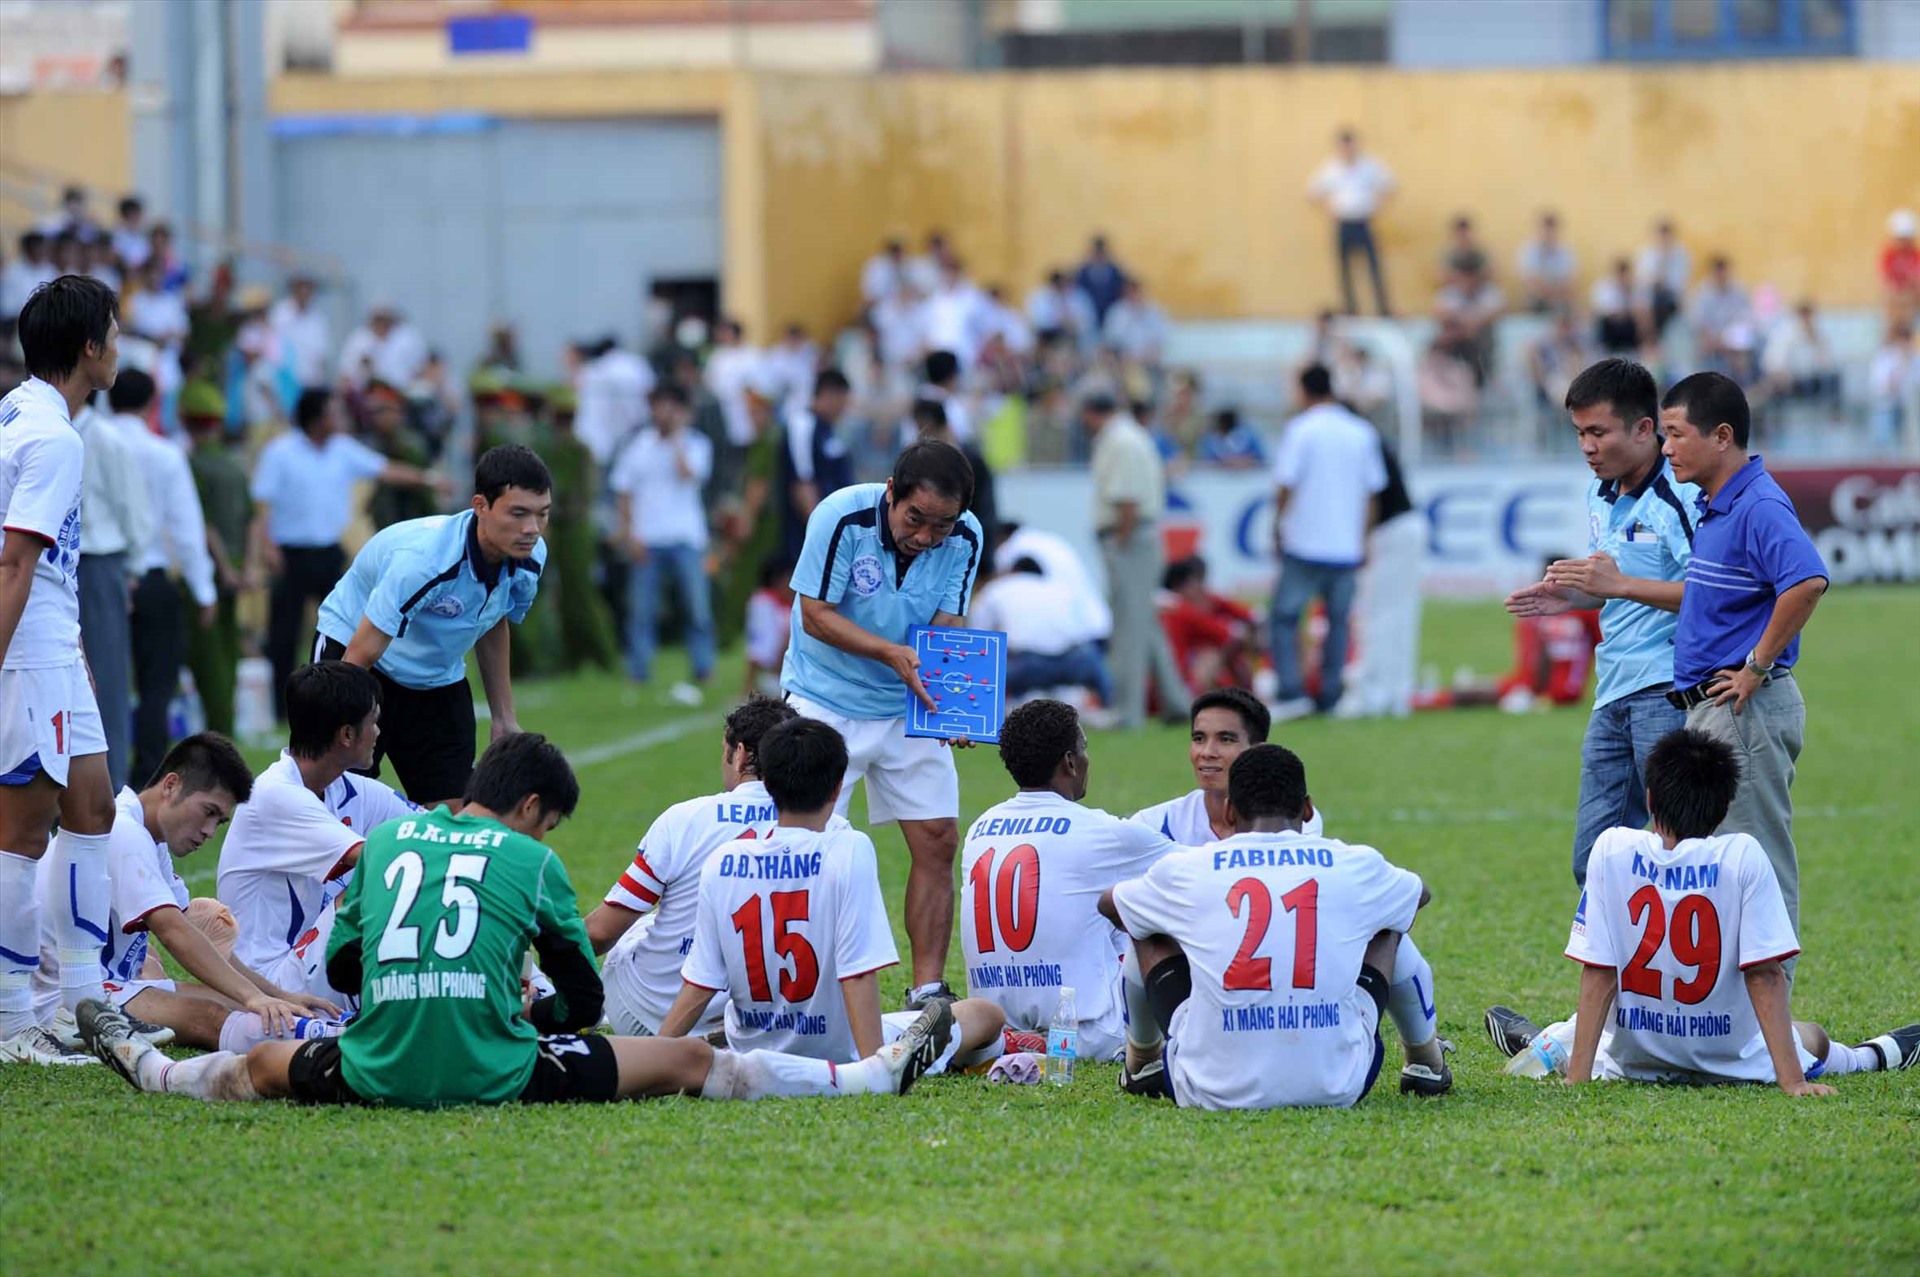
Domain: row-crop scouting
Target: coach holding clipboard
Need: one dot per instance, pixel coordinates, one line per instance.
(879, 559)
(1752, 584)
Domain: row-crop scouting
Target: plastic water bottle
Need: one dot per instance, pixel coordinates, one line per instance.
(253, 700)
(1546, 1055)
(1063, 1041)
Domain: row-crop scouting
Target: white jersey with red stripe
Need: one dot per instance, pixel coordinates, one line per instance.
(1184, 820)
(1678, 926)
(285, 858)
(781, 922)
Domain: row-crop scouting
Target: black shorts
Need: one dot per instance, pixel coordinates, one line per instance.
(427, 733)
(566, 1070)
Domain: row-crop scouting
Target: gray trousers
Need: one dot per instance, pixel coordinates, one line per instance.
(107, 638)
(1133, 578)
(1766, 736)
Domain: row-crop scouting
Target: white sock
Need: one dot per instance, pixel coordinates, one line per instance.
(220, 1076)
(767, 1075)
(83, 896)
(19, 943)
(1143, 1031)
(244, 1030)
(1842, 1059)
(1410, 998)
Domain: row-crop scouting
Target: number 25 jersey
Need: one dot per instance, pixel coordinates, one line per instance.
(1275, 927)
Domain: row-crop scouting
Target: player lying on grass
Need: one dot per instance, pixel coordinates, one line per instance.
(199, 783)
(793, 929)
(1668, 917)
(294, 843)
(1265, 957)
(662, 885)
(432, 933)
(1225, 723)
(1032, 871)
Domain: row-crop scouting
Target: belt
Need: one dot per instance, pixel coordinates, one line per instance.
(1684, 698)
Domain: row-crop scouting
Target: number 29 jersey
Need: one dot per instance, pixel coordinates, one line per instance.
(1275, 927)
(1679, 926)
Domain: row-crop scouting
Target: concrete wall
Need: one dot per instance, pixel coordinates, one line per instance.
(1890, 29)
(82, 137)
(1489, 33)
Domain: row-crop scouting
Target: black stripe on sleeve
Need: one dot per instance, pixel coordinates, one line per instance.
(1665, 492)
(966, 534)
(862, 518)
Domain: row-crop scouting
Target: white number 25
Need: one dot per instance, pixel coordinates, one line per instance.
(400, 942)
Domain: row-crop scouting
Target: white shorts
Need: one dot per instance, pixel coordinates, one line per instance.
(48, 717)
(908, 777)
(626, 1015)
(303, 969)
(121, 994)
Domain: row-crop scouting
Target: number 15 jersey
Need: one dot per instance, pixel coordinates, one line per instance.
(1275, 927)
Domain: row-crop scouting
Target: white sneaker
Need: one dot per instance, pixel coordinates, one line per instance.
(917, 1050)
(1288, 711)
(67, 1029)
(107, 1031)
(38, 1046)
(687, 694)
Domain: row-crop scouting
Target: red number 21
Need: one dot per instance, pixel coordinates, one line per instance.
(1303, 902)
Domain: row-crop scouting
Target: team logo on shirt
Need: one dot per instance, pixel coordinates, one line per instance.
(865, 575)
(448, 605)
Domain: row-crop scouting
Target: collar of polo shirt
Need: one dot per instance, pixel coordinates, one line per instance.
(1730, 491)
(1610, 488)
(488, 574)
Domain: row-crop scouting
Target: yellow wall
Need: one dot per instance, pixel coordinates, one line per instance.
(78, 137)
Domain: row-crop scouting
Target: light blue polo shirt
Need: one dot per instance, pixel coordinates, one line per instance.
(1649, 532)
(848, 559)
(426, 583)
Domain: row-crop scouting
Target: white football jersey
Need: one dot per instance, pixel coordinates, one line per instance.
(1679, 926)
(782, 921)
(285, 853)
(1184, 820)
(663, 885)
(1033, 870)
(42, 464)
(143, 880)
(1275, 927)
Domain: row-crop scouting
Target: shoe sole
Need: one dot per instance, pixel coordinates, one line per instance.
(932, 1041)
(104, 1030)
(1423, 1084)
(1502, 1041)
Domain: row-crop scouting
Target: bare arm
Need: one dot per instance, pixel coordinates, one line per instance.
(369, 644)
(1598, 578)
(1108, 910)
(18, 554)
(1791, 612)
(805, 495)
(202, 961)
(263, 557)
(1767, 986)
(862, 994)
(492, 654)
(1282, 498)
(822, 621)
(1596, 1002)
(606, 924)
(685, 1011)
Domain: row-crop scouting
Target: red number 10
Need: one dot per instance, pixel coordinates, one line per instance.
(1013, 894)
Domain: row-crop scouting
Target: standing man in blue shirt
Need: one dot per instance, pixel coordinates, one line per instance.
(1752, 585)
(878, 559)
(1639, 537)
(422, 594)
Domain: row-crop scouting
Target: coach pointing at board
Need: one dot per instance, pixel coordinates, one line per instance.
(1752, 584)
(878, 559)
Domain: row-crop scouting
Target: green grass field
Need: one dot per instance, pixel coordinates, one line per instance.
(964, 1176)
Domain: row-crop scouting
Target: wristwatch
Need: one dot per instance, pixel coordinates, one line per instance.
(1754, 664)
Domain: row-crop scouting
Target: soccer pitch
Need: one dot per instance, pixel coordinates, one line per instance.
(961, 1175)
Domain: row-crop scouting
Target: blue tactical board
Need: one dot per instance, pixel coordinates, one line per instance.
(964, 671)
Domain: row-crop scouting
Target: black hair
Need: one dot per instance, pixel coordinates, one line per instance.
(517, 766)
(802, 762)
(750, 722)
(1226, 420)
(131, 204)
(1315, 381)
(132, 391)
(1035, 737)
(1709, 399)
(933, 464)
(1100, 403)
(831, 379)
(60, 320)
(775, 568)
(205, 762)
(511, 465)
(32, 241)
(942, 366)
(929, 414)
(1626, 385)
(1691, 780)
(1253, 714)
(1028, 564)
(1268, 781)
(672, 391)
(1181, 571)
(321, 699)
(310, 409)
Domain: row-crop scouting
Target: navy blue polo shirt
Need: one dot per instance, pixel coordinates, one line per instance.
(1748, 549)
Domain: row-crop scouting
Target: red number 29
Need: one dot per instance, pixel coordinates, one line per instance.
(1694, 941)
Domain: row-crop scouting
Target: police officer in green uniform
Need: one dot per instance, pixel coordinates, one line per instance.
(219, 475)
(586, 624)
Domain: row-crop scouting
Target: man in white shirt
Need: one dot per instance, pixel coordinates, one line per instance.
(1135, 325)
(303, 333)
(1662, 273)
(732, 367)
(884, 273)
(31, 268)
(1352, 187)
(1046, 647)
(1064, 572)
(53, 750)
(385, 348)
(117, 524)
(1547, 267)
(1893, 382)
(954, 314)
(1722, 319)
(656, 486)
(612, 387)
(1328, 474)
(1264, 958)
(1033, 868)
(1057, 309)
(1798, 360)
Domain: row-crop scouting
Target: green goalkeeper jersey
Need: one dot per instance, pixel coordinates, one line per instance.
(437, 921)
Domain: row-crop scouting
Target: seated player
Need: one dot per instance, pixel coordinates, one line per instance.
(198, 785)
(1667, 917)
(293, 844)
(1552, 657)
(1227, 721)
(793, 928)
(431, 936)
(1265, 957)
(1033, 869)
(1214, 638)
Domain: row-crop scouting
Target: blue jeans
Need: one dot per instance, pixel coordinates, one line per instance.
(1613, 766)
(1081, 666)
(1300, 583)
(685, 565)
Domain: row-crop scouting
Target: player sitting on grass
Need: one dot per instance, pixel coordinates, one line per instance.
(432, 933)
(793, 928)
(294, 842)
(199, 783)
(1667, 918)
(662, 885)
(1033, 869)
(1266, 956)
(1226, 722)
